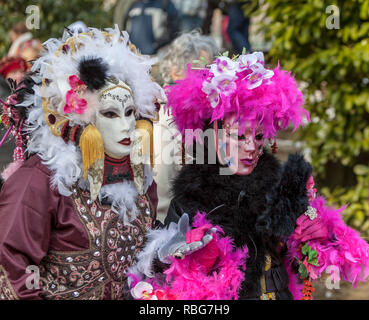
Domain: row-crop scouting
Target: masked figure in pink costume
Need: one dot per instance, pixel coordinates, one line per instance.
(243, 226)
(78, 199)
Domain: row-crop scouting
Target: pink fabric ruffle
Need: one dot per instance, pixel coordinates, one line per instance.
(307, 229)
(343, 250)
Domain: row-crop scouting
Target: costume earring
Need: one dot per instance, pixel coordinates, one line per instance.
(18, 153)
(229, 161)
(273, 145)
(261, 151)
(142, 153)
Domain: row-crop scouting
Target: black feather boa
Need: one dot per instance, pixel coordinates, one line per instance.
(258, 210)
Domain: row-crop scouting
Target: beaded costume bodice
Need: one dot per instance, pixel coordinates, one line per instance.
(99, 272)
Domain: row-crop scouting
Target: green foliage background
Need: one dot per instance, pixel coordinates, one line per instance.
(334, 66)
(54, 16)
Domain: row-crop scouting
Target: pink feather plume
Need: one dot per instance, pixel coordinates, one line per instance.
(343, 250)
(275, 104)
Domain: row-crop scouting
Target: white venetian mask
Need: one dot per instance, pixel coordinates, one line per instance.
(115, 119)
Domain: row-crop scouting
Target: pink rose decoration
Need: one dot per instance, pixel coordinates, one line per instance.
(73, 102)
(307, 230)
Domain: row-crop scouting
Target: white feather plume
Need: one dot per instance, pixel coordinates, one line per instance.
(155, 240)
(122, 197)
(122, 63)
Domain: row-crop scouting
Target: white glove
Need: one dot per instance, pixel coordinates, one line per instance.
(177, 247)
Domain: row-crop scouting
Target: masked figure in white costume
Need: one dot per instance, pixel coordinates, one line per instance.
(78, 199)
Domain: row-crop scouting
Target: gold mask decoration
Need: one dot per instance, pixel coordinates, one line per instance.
(142, 152)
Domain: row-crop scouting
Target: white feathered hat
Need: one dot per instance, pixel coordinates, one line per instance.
(68, 78)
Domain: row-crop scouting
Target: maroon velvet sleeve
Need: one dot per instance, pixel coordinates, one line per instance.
(27, 207)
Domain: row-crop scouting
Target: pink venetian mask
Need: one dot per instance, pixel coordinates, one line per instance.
(239, 148)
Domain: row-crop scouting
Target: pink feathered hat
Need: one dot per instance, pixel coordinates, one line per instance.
(239, 86)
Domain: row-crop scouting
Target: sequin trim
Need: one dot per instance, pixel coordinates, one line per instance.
(6, 289)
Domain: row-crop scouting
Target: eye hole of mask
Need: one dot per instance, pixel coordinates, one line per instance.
(258, 137)
(110, 114)
(129, 112)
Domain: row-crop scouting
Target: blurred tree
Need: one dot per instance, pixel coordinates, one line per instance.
(327, 48)
(54, 16)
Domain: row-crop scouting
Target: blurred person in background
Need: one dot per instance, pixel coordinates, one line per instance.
(238, 26)
(23, 44)
(15, 69)
(192, 13)
(183, 50)
(4, 88)
(120, 12)
(212, 5)
(151, 24)
(216, 23)
(167, 140)
(6, 150)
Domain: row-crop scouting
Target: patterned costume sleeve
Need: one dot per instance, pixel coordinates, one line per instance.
(26, 218)
(322, 242)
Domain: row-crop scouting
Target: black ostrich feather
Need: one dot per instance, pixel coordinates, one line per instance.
(93, 72)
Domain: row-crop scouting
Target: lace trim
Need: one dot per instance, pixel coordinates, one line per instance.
(6, 289)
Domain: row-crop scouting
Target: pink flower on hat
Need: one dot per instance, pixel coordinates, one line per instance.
(259, 73)
(223, 65)
(225, 83)
(73, 102)
(245, 61)
(212, 92)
